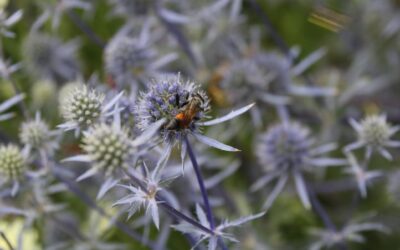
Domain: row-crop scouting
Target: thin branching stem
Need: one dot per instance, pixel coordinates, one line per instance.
(177, 33)
(323, 214)
(85, 29)
(203, 191)
(92, 204)
(8, 243)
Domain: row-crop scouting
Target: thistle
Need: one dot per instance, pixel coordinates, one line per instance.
(83, 107)
(12, 166)
(126, 59)
(374, 134)
(12, 162)
(184, 106)
(288, 149)
(107, 147)
(36, 134)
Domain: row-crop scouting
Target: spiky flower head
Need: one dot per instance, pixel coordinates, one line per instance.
(126, 58)
(35, 133)
(82, 106)
(374, 134)
(288, 149)
(108, 147)
(48, 58)
(166, 99)
(65, 93)
(374, 130)
(12, 162)
(283, 146)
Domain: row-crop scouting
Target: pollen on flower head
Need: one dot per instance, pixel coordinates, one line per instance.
(108, 147)
(375, 131)
(12, 162)
(173, 100)
(81, 105)
(34, 133)
(284, 146)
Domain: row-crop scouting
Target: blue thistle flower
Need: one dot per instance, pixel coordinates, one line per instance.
(184, 106)
(288, 149)
(130, 60)
(165, 99)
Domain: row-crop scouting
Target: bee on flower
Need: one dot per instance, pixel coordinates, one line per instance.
(184, 106)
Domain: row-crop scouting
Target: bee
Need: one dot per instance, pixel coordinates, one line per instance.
(187, 112)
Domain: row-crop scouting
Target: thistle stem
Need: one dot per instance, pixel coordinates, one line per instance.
(203, 191)
(90, 203)
(85, 29)
(8, 243)
(321, 212)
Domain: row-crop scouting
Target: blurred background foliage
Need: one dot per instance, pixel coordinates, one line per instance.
(285, 225)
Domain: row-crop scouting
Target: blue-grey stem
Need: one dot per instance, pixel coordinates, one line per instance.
(203, 191)
(177, 33)
(321, 212)
(85, 29)
(8, 243)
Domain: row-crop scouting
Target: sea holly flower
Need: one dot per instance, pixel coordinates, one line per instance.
(351, 232)
(214, 235)
(374, 134)
(287, 149)
(36, 135)
(363, 177)
(7, 104)
(130, 60)
(83, 107)
(145, 195)
(12, 165)
(110, 149)
(184, 106)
